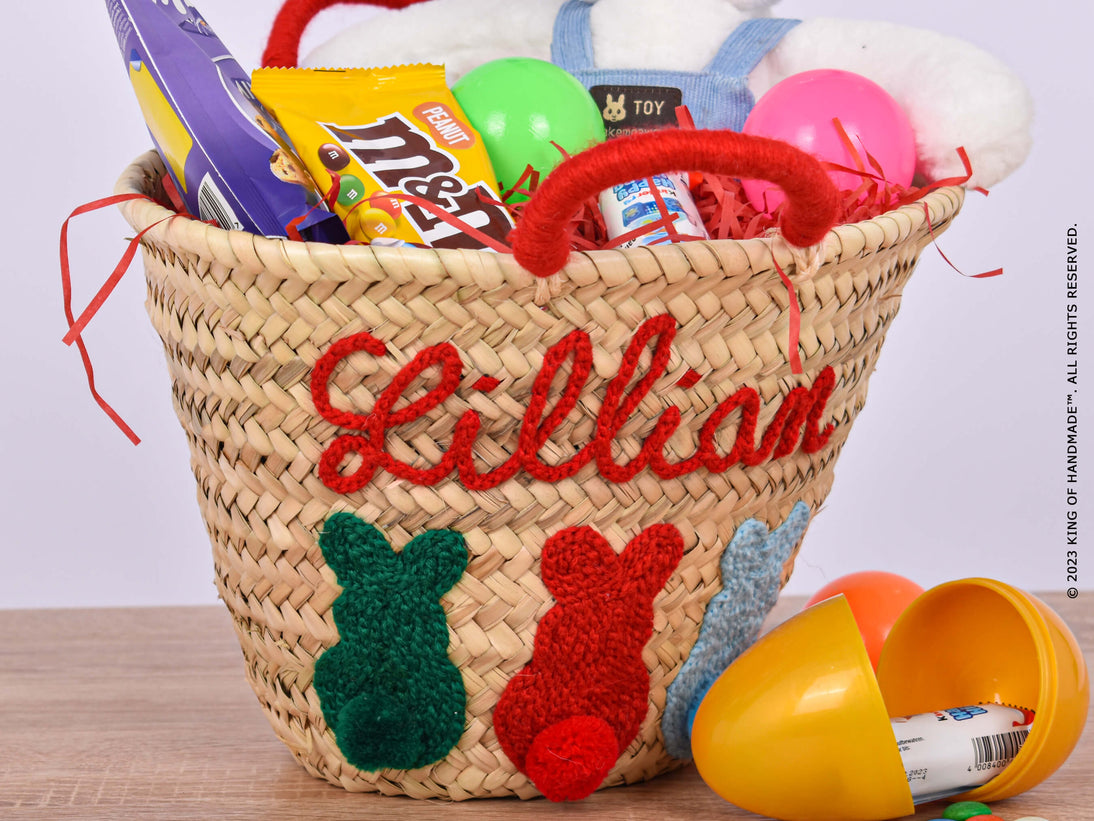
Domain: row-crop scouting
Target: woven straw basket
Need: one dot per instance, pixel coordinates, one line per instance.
(245, 320)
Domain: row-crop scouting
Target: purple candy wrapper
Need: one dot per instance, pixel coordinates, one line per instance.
(228, 157)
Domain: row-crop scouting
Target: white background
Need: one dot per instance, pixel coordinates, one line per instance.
(955, 468)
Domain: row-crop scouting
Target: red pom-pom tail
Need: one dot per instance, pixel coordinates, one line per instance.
(569, 760)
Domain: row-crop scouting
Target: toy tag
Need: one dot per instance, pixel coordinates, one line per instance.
(628, 109)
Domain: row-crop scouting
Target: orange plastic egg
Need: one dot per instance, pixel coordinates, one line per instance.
(877, 599)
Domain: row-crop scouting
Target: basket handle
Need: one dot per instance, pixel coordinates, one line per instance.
(283, 44)
(540, 243)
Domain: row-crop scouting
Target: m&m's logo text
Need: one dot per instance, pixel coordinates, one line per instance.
(398, 156)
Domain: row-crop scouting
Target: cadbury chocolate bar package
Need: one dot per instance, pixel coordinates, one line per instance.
(229, 159)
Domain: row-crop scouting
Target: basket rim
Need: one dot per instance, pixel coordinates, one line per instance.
(281, 257)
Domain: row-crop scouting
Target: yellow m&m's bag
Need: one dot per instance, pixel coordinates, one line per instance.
(394, 148)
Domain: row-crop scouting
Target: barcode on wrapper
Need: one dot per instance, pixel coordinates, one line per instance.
(996, 750)
(213, 206)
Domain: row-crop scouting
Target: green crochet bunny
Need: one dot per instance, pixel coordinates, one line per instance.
(388, 689)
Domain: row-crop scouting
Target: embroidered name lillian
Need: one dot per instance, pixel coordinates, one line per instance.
(796, 423)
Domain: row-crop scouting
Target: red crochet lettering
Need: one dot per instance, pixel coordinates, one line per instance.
(797, 422)
(564, 719)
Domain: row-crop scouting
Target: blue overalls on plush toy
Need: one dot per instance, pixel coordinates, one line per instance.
(640, 99)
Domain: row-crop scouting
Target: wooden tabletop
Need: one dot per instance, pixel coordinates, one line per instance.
(145, 713)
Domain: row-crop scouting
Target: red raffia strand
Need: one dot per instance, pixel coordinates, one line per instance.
(683, 117)
(434, 209)
(670, 224)
(635, 233)
(292, 229)
(76, 326)
(331, 197)
(531, 177)
(587, 230)
(927, 213)
(986, 275)
(795, 319)
(852, 149)
(172, 192)
(727, 214)
(666, 222)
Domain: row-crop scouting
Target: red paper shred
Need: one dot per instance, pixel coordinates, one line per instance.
(683, 117)
(795, 319)
(986, 275)
(523, 187)
(172, 192)
(76, 326)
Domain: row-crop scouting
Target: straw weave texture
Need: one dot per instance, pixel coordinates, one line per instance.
(244, 320)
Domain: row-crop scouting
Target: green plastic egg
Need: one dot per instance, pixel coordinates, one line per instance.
(520, 106)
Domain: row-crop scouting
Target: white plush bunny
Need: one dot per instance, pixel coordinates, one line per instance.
(954, 93)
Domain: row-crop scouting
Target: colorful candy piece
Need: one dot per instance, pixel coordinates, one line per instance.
(964, 810)
(350, 190)
(564, 719)
(388, 689)
(333, 157)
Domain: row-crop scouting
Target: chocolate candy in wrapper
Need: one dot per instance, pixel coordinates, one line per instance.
(407, 165)
(228, 158)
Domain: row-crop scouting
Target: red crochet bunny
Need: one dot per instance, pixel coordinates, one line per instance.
(565, 718)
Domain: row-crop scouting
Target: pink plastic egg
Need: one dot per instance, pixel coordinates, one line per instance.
(800, 110)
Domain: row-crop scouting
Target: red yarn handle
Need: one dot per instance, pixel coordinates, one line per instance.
(540, 243)
(283, 45)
